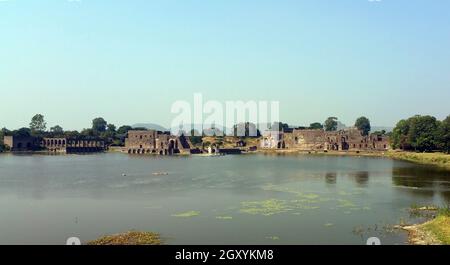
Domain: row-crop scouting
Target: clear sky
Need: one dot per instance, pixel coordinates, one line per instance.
(128, 61)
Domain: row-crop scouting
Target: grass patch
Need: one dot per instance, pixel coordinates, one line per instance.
(129, 238)
(440, 227)
(437, 159)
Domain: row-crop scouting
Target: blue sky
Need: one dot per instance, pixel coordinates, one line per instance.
(128, 61)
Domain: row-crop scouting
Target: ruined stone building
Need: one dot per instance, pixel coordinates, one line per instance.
(21, 143)
(56, 145)
(155, 142)
(308, 140)
(67, 145)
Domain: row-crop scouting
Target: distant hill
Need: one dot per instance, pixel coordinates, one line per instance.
(150, 126)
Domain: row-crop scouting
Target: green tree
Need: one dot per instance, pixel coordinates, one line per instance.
(124, 129)
(331, 124)
(363, 124)
(38, 124)
(99, 125)
(72, 134)
(400, 134)
(22, 132)
(316, 126)
(418, 133)
(111, 128)
(88, 133)
(422, 133)
(443, 135)
(2, 145)
(57, 130)
(110, 133)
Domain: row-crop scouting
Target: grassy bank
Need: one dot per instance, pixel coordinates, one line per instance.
(436, 159)
(433, 232)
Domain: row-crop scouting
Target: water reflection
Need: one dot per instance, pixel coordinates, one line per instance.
(361, 178)
(423, 181)
(331, 178)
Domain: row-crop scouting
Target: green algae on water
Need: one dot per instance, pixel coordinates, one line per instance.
(266, 208)
(187, 214)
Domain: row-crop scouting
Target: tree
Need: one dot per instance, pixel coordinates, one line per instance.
(99, 125)
(111, 128)
(38, 124)
(422, 133)
(72, 134)
(443, 135)
(331, 124)
(363, 124)
(2, 134)
(124, 129)
(57, 130)
(399, 134)
(419, 133)
(22, 132)
(88, 133)
(110, 133)
(316, 126)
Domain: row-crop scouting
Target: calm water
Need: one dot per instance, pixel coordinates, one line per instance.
(249, 199)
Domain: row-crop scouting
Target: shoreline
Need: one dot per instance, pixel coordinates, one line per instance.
(434, 231)
(440, 160)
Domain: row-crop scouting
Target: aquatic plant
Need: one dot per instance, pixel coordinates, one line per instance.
(129, 238)
(345, 204)
(266, 208)
(187, 214)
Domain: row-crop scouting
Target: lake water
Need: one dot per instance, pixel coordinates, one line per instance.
(247, 199)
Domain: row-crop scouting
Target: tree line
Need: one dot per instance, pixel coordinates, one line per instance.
(100, 129)
(417, 133)
(422, 134)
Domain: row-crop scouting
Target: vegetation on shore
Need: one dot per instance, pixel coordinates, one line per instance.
(436, 159)
(100, 129)
(129, 238)
(433, 232)
(422, 134)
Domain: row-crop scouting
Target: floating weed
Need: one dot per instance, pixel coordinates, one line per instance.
(187, 214)
(344, 193)
(310, 196)
(345, 204)
(266, 208)
(273, 238)
(224, 217)
(271, 187)
(328, 224)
